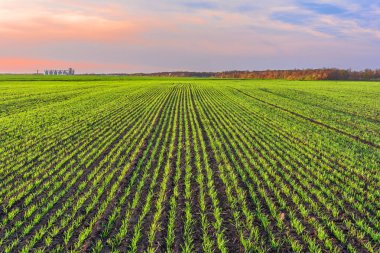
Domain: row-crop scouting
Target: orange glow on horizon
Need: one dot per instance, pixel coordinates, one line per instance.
(30, 65)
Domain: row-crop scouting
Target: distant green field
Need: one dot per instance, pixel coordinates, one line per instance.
(127, 164)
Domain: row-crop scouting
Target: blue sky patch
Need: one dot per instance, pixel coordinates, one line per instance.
(291, 18)
(323, 8)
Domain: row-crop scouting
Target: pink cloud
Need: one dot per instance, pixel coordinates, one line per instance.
(71, 29)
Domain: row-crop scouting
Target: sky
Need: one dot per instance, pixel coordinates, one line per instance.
(129, 36)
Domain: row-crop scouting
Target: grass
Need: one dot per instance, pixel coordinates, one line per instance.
(101, 163)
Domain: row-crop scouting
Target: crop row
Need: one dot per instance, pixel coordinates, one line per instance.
(192, 166)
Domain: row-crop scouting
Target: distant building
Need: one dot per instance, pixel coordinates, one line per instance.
(60, 72)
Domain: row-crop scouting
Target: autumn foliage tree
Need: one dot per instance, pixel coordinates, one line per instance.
(295, 74)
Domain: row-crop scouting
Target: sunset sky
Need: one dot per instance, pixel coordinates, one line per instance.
(96, 36)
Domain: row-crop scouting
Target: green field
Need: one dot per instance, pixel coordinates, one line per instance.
(118, 164)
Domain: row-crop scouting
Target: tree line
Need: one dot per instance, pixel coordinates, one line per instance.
(295, 74)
